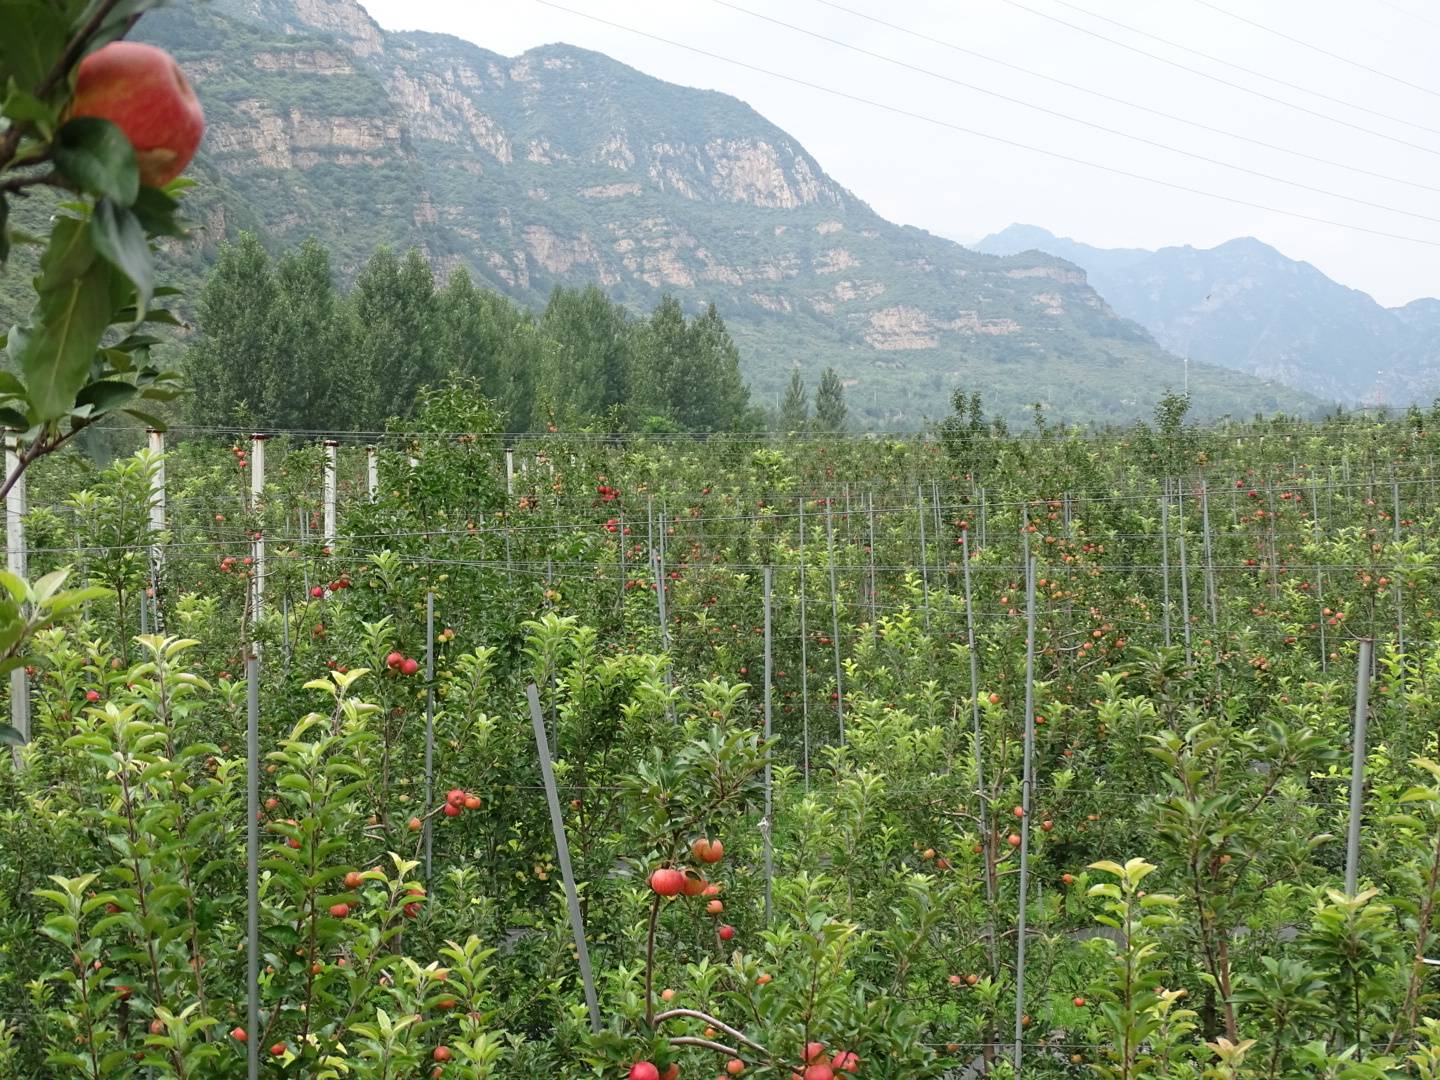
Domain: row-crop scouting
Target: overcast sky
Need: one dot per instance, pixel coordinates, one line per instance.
(965, 186)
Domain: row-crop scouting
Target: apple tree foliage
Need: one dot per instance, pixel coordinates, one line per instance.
(83, 351)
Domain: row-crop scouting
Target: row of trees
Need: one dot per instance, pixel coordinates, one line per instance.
(281, 344)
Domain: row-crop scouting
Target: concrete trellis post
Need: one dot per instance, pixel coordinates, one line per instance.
(509, 470)
(1357, 764)
(257, 554)
(15, 562)
(372, 473)
(332, 451)
(157, 498)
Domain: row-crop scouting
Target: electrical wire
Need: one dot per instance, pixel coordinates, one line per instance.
(1226, 82)
(1315, 48)
(1069, 118)
(1171, 117)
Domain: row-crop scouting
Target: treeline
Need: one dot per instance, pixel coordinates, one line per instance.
(280, 345)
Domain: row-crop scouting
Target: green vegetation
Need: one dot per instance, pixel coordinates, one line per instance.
(1200, 596)
(278, 345)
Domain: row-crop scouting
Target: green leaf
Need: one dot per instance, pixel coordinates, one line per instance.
(14, 420)
(68, 255)
(98, 158)
(55, 351)
(34, 37)
(21, 107)
(105, 395)
(158, 212)
(4, 229)
(10, 386)
(118, 237)
(147, 419)
(10, 737)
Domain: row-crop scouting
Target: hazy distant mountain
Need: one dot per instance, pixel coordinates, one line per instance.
(1246, 306)
(563, 166)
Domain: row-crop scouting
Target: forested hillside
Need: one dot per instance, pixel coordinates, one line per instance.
(564, 167)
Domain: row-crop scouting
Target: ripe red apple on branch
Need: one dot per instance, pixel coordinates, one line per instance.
(142, 91)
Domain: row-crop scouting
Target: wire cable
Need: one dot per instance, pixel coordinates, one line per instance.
(1076, 119)
(1171, 117)
(1226, 82)
(1003, 140)
(1315, 48)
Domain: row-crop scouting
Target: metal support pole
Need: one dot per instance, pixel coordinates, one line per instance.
(1211, 594)
(1165, 561)
(562, 852)
(804, 657)
(924, 555)
(429, 727)
(1398, 587)
(1357, 764)
(17, 563)
(769, 821)
(1184, 574)
(975, 721)
(1026, 791)
(870, 513)
(252, 862)
(332, 450)
(835, 622)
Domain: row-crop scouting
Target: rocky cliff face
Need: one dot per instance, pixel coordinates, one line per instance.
(563, 166)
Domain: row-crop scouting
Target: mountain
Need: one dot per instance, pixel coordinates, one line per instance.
(1246, 306)
(562, 166)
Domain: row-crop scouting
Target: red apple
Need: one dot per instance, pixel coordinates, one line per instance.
(726, 932)
(141, 90)
(409, 666)
(340, 911)
(644, 1070)
(668, 881)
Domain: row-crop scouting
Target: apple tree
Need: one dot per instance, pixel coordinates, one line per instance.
(94, 133)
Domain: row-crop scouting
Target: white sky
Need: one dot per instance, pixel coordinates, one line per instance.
(964, 186)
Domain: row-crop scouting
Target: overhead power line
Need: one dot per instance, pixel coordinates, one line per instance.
(1406, 11)
(1077, 119)
(1226, 82)
(1197, 124)
(1315, 48)
(1000, 139)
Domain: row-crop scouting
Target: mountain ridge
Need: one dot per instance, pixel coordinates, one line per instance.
(1247, 305)
(564, 166)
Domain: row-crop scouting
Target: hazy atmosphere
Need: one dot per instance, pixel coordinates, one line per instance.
(965, 186)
